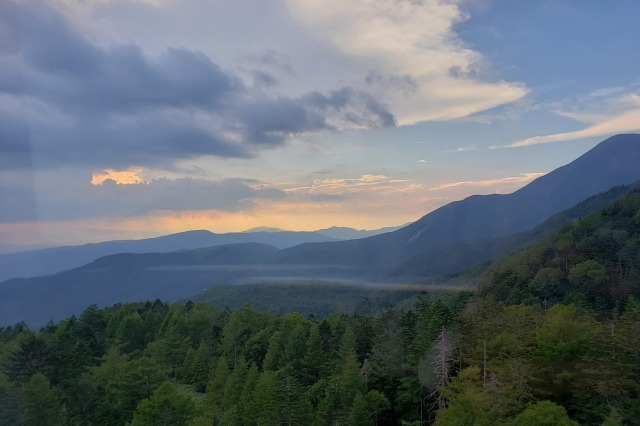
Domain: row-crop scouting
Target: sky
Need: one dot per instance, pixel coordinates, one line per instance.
(128, 119)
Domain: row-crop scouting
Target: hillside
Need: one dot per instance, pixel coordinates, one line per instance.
(56, 259)
(198, 273)
(592, 262)
(458, 257)
(612, 162)
(127, 278)
(556, 327)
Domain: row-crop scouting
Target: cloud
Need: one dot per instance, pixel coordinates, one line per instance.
(462, 149)
(607, 111)
(123, 106)
(365, 184)
(422, 161)
(121, 200)
(523, 178)
(120, 177)
(410, 55)
(626, 122)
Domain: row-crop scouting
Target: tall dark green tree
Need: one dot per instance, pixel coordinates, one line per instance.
(168, 406)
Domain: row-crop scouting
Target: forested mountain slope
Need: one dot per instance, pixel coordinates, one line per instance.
(558, 323)
(594, 261)
(460, 256)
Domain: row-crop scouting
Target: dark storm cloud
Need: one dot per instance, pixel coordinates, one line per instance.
(115, 106)
(269, 121)
(369, 112)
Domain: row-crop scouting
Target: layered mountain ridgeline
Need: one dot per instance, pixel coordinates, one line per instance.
(611, 163)
(57, 259)
(551, 338)
(418, 251)
(128, 278)
(205, 274)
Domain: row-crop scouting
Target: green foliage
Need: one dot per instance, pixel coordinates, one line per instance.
(468, 404)
(41, 404)
(544, 413)
(305, 297)
(592, 262)
(167, 406)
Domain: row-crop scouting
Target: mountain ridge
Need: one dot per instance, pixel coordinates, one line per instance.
(57, 259)
(612, 162)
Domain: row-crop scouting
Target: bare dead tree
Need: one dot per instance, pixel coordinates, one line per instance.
(442, 360)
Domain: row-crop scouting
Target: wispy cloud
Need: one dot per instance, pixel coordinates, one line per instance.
(606, 111)
(422, 161)
(350, 186)
(462, 149)
(523, 178)
(625, 122)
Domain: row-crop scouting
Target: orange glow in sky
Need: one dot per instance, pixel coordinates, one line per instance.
(121, 177)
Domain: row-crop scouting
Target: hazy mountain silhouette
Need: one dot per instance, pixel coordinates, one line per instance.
(612, 162)
(124, 278)
(343, 233)
(173, 276)
(56, 259)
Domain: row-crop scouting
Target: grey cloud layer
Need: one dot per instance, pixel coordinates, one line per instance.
(67, 100)
(113, 200)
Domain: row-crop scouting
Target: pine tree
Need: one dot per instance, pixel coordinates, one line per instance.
(313, 362)
(248, 406)
(214, 398)
(166, 407)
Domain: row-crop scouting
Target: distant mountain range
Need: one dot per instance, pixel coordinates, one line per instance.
(451, 238)
(57, 259)
(337, 232)
(342, 233)
(51, 260)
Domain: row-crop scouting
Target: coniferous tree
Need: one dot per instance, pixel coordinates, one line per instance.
(41, 404)
(166, 407)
